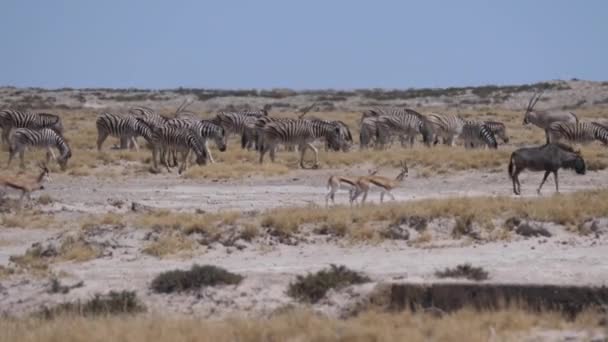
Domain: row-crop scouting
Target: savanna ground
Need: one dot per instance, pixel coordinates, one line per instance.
(108, 224)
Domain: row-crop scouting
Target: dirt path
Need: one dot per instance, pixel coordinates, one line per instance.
(297, 189)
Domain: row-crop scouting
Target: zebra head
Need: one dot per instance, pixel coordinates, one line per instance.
(220, 138)
(63, 159)
(529, 113)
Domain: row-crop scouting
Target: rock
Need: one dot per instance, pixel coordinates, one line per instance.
(395, 232)
(138, 207)
(528, 230)
(513, 222)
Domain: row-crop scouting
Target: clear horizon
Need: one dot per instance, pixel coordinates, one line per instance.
(302, 46)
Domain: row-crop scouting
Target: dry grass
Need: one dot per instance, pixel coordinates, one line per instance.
(563, 209)
(297, 325)
(77, 249)
(29, 219)
(169, 244)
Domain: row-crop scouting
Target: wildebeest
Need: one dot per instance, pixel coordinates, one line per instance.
(549, 158)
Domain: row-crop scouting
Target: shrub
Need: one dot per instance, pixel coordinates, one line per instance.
(195, 278)
(113, 303)
(464, 271)
(312, 287)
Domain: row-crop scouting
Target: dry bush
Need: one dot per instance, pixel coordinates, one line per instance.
(110, 219)
(169, 244)
(113, 303)
(193, 279)
(77, 249)
(45, 199)
(29, 219)
(312, 287)
(186, 222)
(464, 271)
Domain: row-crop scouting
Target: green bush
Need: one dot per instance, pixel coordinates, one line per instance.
(312, 287)
(195, 278)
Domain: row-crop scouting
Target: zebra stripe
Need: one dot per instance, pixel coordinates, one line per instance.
(499, 129)
(368, 131)
(46, 138)
(10, 119)
(476, 134)
(126, 128)
(446, 126)
(182, 140)
(406, 123)
(580, 132)
(299, 132)
(207, 130)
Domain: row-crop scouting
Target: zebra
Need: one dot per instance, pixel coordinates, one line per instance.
(476, 134)
(499, 129)
(299, 132)
(207, 130)
(242, 123)
(581, 132)
(127, 128)
(405, 122)
(368, 131)
(10, 119)
(446, 126)
(258, 126)
(345, 139)
(181, 139)
(45, 138)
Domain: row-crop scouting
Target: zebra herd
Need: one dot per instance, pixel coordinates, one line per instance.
(184, 133)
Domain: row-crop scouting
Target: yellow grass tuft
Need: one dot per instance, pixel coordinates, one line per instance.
(299, 325)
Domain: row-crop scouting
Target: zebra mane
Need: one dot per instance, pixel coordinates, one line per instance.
(53, 117)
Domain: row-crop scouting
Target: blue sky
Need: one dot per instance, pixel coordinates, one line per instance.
(302, 45)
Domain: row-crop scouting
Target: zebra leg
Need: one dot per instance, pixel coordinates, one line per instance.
(209, 153)
(556, 182)
(154, 157)
(543, 182)
(184, 164)
(101, 137)
(134, 142)
(314, 149)
(302, 152)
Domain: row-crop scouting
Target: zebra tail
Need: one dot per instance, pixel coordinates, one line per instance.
(576, 117)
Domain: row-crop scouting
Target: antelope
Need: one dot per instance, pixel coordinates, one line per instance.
(386, 184)
(27, 185)
(544, 118)
(335, 182)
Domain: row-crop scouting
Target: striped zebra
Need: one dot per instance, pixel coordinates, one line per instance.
(499, 129)
(476, 134)
(345, 139)
(406, 123)
(258, 129)
(580, 132)
(241, 123)
(45, 138)
(368, 131)
(446, 126)
(10, 119)
(301, 133)
(126, 128)
(149, 116)
(182, 140)
(207, 130)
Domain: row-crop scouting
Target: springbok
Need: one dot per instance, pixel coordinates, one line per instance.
(335, 183)
(27, 185)
(385, 184)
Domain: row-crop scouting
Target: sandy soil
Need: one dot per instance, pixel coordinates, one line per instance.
(564, 258)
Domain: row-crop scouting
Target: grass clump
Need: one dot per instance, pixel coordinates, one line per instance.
(312, 287)
(113, 303)
(464, 271)
(168, 244)
(195, 278)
